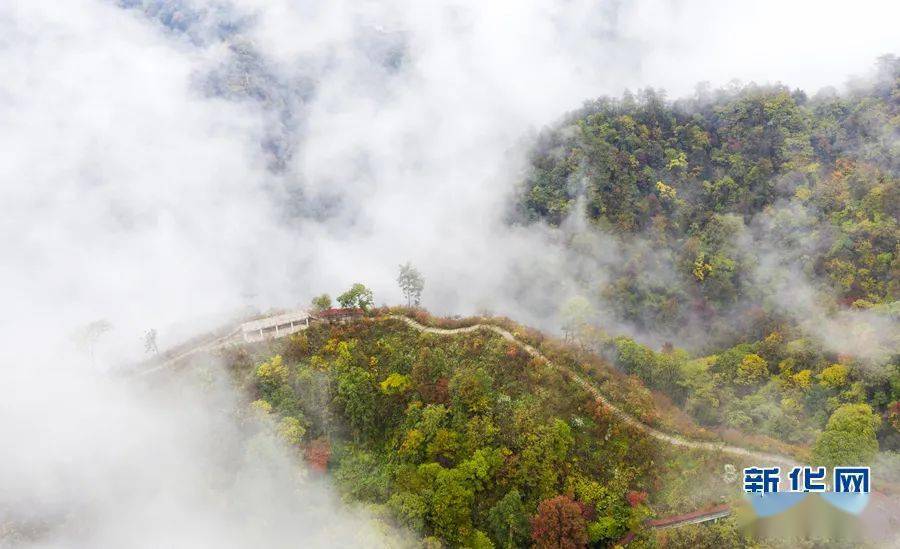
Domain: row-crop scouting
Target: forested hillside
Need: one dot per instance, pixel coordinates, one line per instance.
(748, 219)
(702, 187)
(745, 220)
(466, 440)
(475, 439)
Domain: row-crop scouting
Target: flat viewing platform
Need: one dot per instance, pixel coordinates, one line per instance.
(275, 326)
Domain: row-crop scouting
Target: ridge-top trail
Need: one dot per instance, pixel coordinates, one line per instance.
(675, 440)
(618, 412)
(883, 504)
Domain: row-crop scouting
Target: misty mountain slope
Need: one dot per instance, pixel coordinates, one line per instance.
(783, 386)
(171, 164)
(737, 208)
(462, 436)
(754, 224)
(183, 463)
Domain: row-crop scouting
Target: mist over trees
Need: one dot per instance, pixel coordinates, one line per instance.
(714, 198)
(757, 220)
(465, 440)
(321, 302)
(411, 284)
(150, 345)
(722, 266)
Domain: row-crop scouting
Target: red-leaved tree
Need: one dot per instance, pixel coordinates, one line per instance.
(559, 523)
(318, 454)
(635, 498)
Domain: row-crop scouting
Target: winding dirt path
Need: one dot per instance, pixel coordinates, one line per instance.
(675, 440)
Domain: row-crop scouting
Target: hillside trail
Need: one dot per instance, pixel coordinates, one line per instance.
(889, 506)
(882, 515)
(675, 440)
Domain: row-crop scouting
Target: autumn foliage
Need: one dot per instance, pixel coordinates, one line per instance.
(559, 523)
(635, 498)
(318, 454)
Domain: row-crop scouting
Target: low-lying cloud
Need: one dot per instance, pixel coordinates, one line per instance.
(168, 163)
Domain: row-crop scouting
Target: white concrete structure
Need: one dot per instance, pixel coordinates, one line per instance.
(275, 326)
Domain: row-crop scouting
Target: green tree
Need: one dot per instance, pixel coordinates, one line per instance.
(508, 521)
(543, 458)
(361, 476)
(835, 376)
(395, 384)
(635, 358)
(409, 509)
(479, 540)
(291, 430)
(321, 303)
(357, 296)
(357, 394)
(444, 446)
(271, 374)
(470, 390)
(451, 504)
(849, 438)
(480, 469)
(411, 284)
(576, 313)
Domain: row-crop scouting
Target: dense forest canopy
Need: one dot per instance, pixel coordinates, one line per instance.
(744, 199)
(716, 197)
(723, 206)
(467, 440)
(656, 290)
